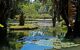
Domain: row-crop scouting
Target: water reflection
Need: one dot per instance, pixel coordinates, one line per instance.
(15, 35)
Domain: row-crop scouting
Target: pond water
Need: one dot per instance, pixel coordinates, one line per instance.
(40, 38)
(31, 38)
(37, 41)
(32, 46)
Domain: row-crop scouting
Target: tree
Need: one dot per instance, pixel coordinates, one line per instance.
(6, 10)
(67, 9)
(21, 20)
(29, 9)
(67, 13)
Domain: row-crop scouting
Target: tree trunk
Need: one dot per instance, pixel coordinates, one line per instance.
(5, 7)
(21, 20)
(77, 22)
(3, 31)
(73, 30)
(64, 14)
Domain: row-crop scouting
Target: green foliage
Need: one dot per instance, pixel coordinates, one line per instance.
(37, 5)
(60, 28)
(29, 10)
(35, 9)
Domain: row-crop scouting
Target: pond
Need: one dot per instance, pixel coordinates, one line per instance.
(42, 38)
(32, 38)
(37, 41)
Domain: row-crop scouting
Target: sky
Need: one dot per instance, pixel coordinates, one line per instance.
(32, 0)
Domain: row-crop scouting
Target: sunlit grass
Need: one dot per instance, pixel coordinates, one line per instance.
(25, 26)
